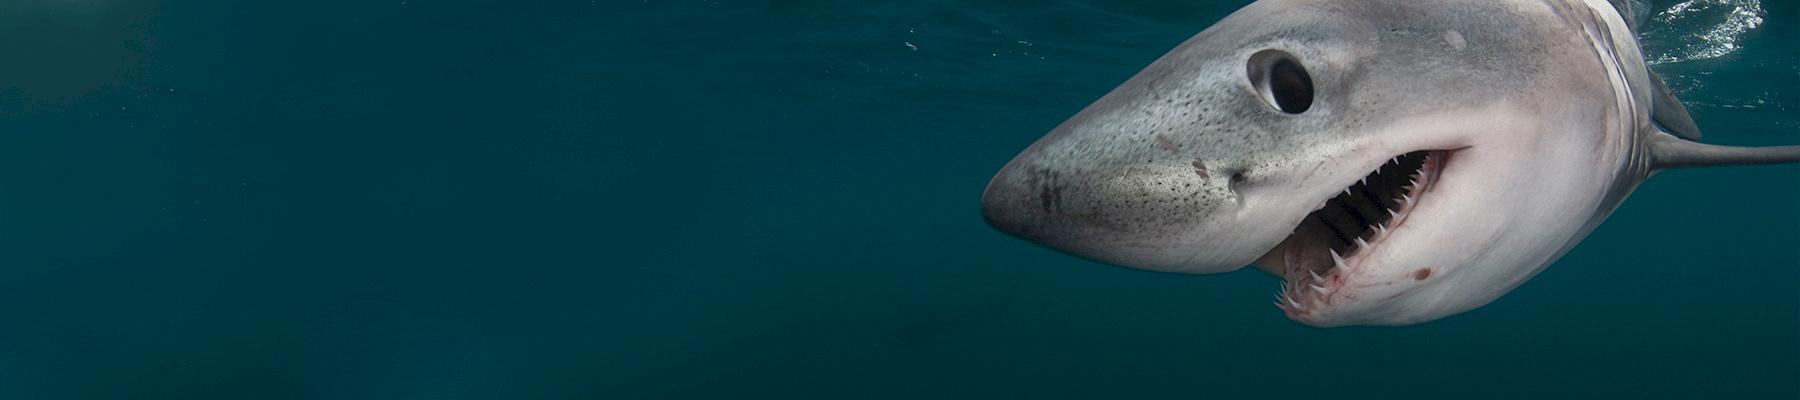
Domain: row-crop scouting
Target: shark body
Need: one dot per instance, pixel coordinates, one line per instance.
(1394, 161)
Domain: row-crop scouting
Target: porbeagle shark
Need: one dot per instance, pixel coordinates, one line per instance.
(1394, 161)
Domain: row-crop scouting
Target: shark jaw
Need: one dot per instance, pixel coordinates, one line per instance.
(1328, 259)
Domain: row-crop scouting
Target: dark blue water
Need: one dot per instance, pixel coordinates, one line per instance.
(744, 199)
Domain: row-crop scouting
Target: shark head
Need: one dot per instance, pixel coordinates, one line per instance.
(1393, 161)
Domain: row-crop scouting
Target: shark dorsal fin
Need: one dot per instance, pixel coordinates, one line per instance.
(1624, 9)
(1668, 112)
(1630, 9)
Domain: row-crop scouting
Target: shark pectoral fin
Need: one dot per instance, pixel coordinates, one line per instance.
(1668, 151)
(1668, 112)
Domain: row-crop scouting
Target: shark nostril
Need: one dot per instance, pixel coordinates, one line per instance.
(1234, 186)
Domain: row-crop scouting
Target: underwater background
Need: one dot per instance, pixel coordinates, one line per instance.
(755, 199)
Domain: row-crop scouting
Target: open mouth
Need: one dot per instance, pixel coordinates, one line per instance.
(1330, 242)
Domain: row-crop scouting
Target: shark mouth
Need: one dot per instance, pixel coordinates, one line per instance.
(1331, 243)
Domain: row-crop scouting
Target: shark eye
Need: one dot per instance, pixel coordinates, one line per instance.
(1281, 81)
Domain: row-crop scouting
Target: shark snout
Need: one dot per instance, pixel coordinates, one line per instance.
(1149, 177)
(1034, 204)
(1138, 214)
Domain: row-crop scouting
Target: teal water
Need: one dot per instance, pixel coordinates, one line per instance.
(751, 199)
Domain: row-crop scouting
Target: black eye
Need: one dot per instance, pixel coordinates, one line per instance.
(1282, 81)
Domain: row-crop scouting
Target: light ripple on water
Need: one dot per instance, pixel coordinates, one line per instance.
(1700, 29)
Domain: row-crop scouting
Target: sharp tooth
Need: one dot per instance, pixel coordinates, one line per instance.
(1365, 181)
(1320, 289)
(1362, 243)
(1414, 182)
(1382, 227)
(1409, 198)
(1315, 275)
(1296, 304)
(1391, 213)
(1346, 191)
(1337, 259)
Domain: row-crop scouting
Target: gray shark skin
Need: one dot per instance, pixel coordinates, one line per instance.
(1394, 161)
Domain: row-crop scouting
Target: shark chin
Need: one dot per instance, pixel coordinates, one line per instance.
(1394, 162)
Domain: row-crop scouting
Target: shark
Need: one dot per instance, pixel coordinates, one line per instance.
(1394, 162)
